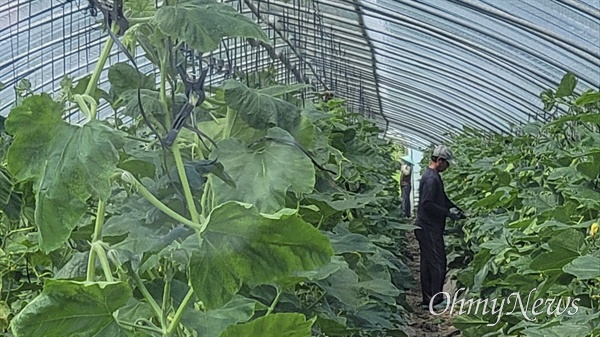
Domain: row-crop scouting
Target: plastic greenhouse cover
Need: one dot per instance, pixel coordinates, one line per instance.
(419, 67)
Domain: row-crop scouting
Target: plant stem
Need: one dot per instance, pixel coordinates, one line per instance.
(179, 313)
(150, 299)
(91, 269)
(231, 116)
(166, 298)
(133, 21)
(275, 301)
(163, 90)
(103, 261)
(92, 102)
(184, 181)
(129, 178)
(83, 107)
(204, 201)
(100, 65)
(140, 327)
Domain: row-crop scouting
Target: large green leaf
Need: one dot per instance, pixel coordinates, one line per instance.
(264, 175)
(212, 323)
(231, 127)
(345, 285)
(585, 267)
(150, 103)
(588, 98)
(567, 85)
(304, 132)
(123, 77)
(590, 169)
(333, 328)
(242, 245)
(140, 8)
(68, 308)
(564, 248)
(278, 325)
(68, 164)
(330, 203)
(260, 110)
(336, 263)
(203, 23)
(344, 241)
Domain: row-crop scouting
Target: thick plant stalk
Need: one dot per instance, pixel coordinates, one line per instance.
(103, 261)
(155, 307)
(275, 301)
(101, 62)
(91, 268)
(184, 181)
(179, 313)
(129, 178)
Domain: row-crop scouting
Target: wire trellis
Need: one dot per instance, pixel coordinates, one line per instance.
(44, 41)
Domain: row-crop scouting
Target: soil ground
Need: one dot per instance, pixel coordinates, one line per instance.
(422, 322)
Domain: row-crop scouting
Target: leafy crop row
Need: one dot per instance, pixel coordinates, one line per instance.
(535, 199)
(266, 215)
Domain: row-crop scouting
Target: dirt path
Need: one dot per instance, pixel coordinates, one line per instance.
(422, 322)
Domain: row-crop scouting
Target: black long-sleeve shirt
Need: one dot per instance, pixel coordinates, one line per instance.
(434, 205)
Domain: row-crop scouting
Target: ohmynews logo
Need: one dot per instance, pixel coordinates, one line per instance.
(551, 306)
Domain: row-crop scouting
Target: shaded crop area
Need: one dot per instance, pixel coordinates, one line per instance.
(535, 203)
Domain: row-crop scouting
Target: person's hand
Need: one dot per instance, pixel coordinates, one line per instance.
(455, 214)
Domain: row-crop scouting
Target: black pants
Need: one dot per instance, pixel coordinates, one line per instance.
(433, 264)
(406, 200)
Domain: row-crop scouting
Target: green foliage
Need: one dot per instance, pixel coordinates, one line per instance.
(532, 196)
(263, 173)
(259, 109)
(242, 245)
(67, 163)
(203, 23)
(212, 323)
(248, 237)
(67, 308)
(294, 325)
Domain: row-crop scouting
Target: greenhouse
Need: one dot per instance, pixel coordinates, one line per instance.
(299, 168)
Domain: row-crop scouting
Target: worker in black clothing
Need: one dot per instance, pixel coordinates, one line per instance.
(434, 206)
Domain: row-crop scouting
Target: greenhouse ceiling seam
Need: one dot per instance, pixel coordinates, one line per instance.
(362, 25)
(418, 42)
(519, 103)
(582, 7)
(454, 107)
(546, 35)
(465, 44)
(478, 49)
(500, 116)
(499, 37)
